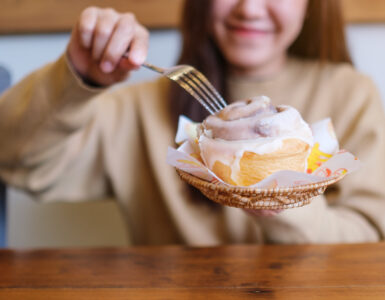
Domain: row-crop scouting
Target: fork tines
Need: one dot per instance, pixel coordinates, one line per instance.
(201, 89)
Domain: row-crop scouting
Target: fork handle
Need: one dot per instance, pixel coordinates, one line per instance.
(148, 65)
(153, 68)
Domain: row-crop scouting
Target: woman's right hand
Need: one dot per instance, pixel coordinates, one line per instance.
(98, 41)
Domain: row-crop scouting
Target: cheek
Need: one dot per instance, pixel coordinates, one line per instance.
(288, 16)
(220, 9)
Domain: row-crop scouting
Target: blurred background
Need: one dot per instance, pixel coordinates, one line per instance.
(35, 32)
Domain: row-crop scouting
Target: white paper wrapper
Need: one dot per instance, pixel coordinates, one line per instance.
(325, 160)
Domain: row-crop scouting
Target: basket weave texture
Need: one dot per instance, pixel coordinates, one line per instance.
(256, 198)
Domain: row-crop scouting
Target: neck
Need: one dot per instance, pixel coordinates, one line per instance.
(266, 70)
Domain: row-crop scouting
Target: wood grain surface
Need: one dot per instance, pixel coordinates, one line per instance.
(228, 272)
(23, 16)
(332, 293)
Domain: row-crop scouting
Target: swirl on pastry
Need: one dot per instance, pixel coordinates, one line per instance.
(267, 137)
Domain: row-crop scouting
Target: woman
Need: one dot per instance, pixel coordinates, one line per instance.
(67, 138)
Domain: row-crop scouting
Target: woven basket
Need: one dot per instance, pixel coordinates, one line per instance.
(255, 198)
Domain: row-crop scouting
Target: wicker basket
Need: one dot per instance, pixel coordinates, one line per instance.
(255, 198)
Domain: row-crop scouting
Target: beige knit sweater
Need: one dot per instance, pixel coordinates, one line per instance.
(61, 140)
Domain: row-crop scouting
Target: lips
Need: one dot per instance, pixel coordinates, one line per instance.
(248, 30)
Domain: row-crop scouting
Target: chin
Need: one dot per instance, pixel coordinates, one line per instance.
(249, 64)
(250, 59)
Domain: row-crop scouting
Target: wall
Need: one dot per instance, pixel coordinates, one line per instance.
(98, 224)
(367, 46)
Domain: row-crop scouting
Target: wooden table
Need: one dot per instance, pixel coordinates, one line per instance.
(229, 272)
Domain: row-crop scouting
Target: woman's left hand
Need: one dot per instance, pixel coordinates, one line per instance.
(263, 212)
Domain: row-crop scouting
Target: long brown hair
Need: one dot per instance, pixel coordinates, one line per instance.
(322, 38)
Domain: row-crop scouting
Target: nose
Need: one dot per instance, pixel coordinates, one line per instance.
(251, 9)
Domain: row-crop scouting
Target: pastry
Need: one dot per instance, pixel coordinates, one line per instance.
(249, 140)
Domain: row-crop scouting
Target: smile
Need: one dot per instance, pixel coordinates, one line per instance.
(248, 31)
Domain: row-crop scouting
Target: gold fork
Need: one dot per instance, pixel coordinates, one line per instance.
(195, 83)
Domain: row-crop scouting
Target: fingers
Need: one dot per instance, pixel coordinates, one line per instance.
(87, 23)
(139, 47)
(263, 212)
(127, 34)
(103, 36)
(104, 29)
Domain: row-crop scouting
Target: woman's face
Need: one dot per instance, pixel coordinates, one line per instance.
(254, 35)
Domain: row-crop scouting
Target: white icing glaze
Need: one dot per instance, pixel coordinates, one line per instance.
(225, 138)
(255, 118)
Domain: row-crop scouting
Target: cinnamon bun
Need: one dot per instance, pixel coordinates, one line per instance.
(249, 140)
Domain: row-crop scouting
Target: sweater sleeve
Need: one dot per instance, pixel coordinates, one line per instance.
(355, 211)
(50, 137)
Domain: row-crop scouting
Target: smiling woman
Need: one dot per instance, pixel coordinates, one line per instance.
(68, 140)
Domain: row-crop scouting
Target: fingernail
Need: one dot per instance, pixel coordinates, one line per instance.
(137, 57)
(106, 67)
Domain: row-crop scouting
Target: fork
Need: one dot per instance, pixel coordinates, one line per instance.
(195, 83)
